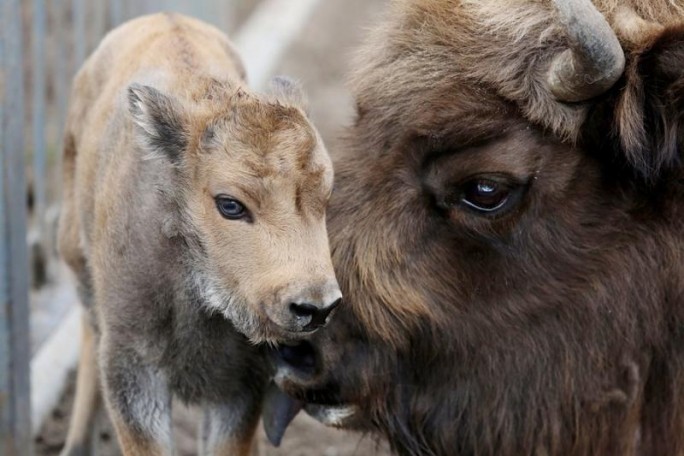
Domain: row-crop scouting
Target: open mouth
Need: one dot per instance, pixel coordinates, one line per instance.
(280, 409)
(296, 387)
(296, 358)
(298, 373)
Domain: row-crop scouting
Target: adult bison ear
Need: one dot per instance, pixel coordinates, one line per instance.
(159, 119)
(289, 92)
(650, 112)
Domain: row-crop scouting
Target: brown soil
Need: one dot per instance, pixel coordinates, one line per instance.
(319, 59)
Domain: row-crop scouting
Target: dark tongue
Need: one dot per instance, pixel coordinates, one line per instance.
(279, 411)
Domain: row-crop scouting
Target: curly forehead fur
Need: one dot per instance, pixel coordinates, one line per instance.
(499, 47)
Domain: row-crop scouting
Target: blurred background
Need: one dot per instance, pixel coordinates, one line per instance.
(42, 44)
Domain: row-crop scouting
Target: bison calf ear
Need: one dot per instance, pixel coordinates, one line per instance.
(159, 119)
(289, 92)
(650, 120)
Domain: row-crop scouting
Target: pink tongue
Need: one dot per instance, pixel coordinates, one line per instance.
(278, 412)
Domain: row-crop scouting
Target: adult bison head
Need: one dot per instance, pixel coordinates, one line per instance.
(508, 231)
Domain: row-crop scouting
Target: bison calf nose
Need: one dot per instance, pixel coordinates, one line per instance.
(299, 311)
(311, 316)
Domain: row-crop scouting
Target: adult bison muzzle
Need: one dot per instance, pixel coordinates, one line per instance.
(508, 232)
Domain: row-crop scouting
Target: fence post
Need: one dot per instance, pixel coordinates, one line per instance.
(61, 29)
(15, 409)
(39, 253)
(38, 108)
(78, 16)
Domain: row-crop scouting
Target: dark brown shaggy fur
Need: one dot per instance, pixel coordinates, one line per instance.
(556, 328)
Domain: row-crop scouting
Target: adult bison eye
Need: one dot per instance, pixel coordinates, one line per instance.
(488, 195)
(230, 208)
(485, 195)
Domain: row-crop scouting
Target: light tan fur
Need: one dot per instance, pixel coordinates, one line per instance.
(87, 400)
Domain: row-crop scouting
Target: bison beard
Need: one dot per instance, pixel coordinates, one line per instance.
(554, 326)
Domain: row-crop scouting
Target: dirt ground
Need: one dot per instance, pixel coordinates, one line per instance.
(320, 59)
(304, 437)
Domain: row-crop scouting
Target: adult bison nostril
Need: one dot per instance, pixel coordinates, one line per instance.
(301, 356)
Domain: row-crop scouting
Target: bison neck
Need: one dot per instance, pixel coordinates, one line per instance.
(515, 401)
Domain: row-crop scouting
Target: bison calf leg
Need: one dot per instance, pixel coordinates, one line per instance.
(228, 429)
(139, 403)
(87, 400)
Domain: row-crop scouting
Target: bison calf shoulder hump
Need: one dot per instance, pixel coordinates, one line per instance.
(194, 220)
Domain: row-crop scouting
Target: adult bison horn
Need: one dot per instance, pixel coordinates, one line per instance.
(594, 61)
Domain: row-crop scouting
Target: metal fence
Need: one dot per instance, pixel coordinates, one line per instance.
(14, 346)
(59, 34)
(42, 43)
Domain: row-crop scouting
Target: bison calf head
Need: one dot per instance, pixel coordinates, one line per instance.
(247, 201)
(508, 234)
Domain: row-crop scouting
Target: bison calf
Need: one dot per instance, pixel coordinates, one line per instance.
(194, 220)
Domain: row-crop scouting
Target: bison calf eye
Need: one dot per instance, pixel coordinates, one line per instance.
(230, 208)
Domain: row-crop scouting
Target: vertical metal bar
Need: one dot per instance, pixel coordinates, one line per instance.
(204, 11)
(163, 5)
(62, 72)
(211, 13)
(15, 407)
(78, 10)
(95, 24)
(192, 8)
(39, 244)
(227, 14)
(171, 5)
(116, 12)
(98, 23)
(38, 108)
(174, 5)
(201, 6)
(139, 8)
(150, 6)
(128, 9)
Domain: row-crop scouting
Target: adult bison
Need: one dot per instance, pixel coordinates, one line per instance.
(508, 231)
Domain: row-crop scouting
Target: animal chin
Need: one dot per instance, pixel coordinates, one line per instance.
(216, 299)
(344, 415)
(297, 383)
(298, 358)
(279, 409)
